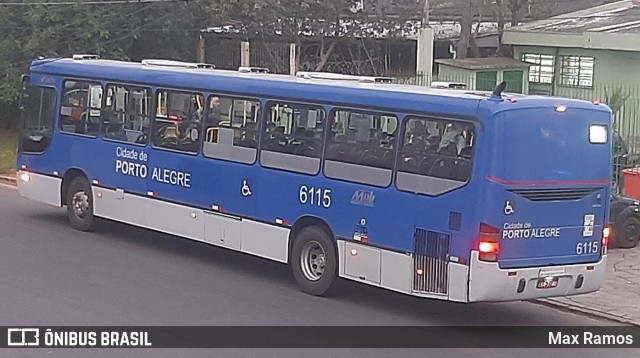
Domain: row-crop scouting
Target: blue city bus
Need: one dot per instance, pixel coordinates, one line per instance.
(439, 193)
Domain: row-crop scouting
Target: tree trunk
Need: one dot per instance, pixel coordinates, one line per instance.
(465, 31)
(475, 51)
(325, 55)
(501, 22)
(515, 6)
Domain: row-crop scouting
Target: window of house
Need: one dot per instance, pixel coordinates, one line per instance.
(293, 137)
(361, 146)
(81, 107)
(178, 120)
(125, 116)
(577, 71)
(231, 128)
(541, 69)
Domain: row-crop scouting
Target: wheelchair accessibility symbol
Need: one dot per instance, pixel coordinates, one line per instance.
(246, 190)
(508, 209)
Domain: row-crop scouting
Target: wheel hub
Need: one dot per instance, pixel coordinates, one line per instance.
(80, 204)
(313, 260)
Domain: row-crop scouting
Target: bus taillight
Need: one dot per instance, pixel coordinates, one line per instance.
(606, 233)
(488, 245)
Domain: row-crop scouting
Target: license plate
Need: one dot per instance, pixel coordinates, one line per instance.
(549, 282)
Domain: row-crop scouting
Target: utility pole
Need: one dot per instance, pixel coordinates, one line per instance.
(425, 14)
(425, 45)
(200, 50)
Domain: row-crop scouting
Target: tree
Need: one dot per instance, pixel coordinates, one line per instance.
(118, 31)
(466, 24)
(616, 99)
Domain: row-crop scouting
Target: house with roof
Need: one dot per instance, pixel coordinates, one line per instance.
(588, 54)
(485, 73)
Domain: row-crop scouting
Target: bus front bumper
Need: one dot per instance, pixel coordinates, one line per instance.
(488, 282)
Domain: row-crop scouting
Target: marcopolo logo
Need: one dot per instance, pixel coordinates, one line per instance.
(20, 337)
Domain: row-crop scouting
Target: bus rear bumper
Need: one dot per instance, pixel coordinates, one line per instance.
(488, 282)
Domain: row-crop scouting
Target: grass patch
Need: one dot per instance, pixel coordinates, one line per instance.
(8, 146)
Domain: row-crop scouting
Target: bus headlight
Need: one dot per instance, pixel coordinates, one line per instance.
(597, 134)
(25, 177)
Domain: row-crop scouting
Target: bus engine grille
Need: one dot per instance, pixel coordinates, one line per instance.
(430, 255)
(554, 194)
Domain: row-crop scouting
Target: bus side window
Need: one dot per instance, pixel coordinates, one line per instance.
(361, 146)
(126, 114)
(81, 107)
(295, 129)
(231, 128)
(362, 138)
(178, 120)
(293, 137)
(437, 148)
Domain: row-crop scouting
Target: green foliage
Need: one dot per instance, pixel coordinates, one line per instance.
(616, 99)
(170, 29)
(8, 148)
(116, 31)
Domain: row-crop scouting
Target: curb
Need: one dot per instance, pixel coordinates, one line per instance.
(8, 179)
(585, 310)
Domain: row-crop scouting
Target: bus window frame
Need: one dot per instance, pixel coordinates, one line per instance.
(59, 105)
(472, 121)
(364, 110)
(266, 118)
(151, 115)
(153, 118)
(233, 96)
(55, 119)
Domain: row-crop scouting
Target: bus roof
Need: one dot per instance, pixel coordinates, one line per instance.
(394, 97)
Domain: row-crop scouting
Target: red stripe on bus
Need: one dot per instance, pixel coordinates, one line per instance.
(553, 182)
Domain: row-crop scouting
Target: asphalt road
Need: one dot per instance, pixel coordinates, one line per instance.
(121, 275)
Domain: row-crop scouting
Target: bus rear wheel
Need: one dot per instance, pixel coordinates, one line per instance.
(314, 261)
(80, 204)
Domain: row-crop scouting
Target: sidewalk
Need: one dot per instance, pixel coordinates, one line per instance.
(619, 297)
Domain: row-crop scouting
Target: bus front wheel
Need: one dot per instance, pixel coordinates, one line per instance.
(314, 261)
(80, 204)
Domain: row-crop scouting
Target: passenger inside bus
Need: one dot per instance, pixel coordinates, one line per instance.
(214, 116)
(452, 140)
(437, 148)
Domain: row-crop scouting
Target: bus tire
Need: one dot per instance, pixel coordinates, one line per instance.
(314, 261)
(80, 204)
